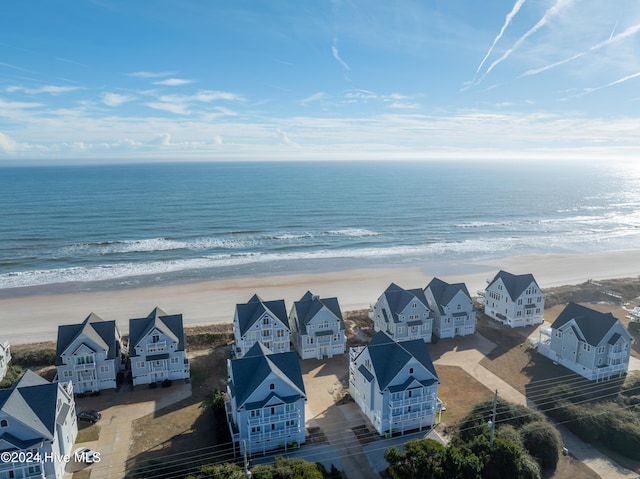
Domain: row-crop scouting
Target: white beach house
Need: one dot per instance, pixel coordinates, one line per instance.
(593, 344)
(265, 400)
(403, 314)
(453, 311)
(317, 327)
(395, 384)
(157, 348)
(5, 358)
(89, 354)
(37, 421)
(514, 300)
(264, 321)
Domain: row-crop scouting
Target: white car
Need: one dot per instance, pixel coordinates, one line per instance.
(86, 455)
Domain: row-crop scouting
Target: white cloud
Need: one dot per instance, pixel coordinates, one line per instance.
(177, 108)
(336, 55)
(6, 143)
(313, 98)
(116, 99)
(150, 74)
(173, 82)
(50, 89)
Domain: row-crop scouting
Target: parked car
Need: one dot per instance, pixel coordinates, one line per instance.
(86, 455)
(89, 416)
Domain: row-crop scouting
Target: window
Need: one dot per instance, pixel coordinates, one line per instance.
(272, 386)
(265, 320)
(459, 307)
(174, 360)
(104, 369)
(255, 412)
(410, 370)
(324, 324)
(140, 364)
(280, 333)
(255, 429)
(3, 423)
(155, 338)
(67, 374)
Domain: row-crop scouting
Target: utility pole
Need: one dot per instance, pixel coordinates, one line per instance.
(492, 423)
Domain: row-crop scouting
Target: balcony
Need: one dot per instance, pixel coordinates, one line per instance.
(412, 401)
(617, 355)
(275, 434)
(273, 418)
(412, 416)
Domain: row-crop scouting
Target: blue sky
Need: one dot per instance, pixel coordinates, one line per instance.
(245, 79)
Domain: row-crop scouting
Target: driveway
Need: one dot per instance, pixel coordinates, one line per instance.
(119, 409)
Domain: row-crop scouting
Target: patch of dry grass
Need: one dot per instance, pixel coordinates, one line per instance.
(87, 432)
(460, 392)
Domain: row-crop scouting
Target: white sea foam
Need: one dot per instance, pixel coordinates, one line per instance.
(356, 232)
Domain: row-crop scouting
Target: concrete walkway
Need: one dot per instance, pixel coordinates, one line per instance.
(321, 379)
(472, 349)
(119, 409)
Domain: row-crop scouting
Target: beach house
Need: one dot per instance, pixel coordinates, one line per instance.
(5, 358)
(265, 400)
(317, 327)
(403, 314)
(452, 307)
(593, 344)
(38, 427)
(264, 321)
(514, 300)
(158, 348)
(89, 354)
(395, 384)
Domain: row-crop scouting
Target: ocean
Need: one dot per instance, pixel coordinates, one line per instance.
(84, 228)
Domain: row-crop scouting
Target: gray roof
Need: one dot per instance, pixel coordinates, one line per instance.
(32, 401)
(398, 298)
(593, 324)
(388, 357)
(310, 305)
(171, 325)
(250, 312)
(444, 292)
(516, 284)
(250, 371)
(102, 333)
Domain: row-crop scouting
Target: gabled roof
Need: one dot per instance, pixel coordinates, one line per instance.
(250, 371)
(94, 328)
(250, 312)
(32, 402)
(398, 298)
(170, 325)
(444, 292)
(516, 284)
(593, 324)
(310, 305)
(388, 357)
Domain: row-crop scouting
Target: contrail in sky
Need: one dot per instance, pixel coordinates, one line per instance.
(507, 21)
(612, 39)
(551, 12)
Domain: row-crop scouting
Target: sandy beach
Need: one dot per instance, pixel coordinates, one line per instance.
(32, 318)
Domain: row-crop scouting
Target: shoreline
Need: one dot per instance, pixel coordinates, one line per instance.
(35, 317)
